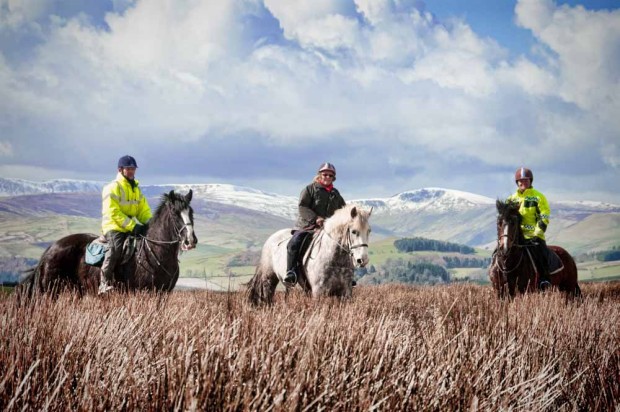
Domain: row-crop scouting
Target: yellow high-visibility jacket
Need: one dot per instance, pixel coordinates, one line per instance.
(535, 212)
(122, 205)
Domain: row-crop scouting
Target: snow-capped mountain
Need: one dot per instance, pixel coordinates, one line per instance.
(435, 213)
(18, 187)
(253, 199)
(432, 199)
(271, 203)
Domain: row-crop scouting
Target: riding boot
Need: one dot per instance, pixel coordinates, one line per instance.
(291, 264)
(544, 280)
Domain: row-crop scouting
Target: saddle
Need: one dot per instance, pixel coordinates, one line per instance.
(554, 263)
(96, 250)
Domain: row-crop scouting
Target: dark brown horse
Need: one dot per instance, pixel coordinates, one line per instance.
(154, 266)
(512, 267)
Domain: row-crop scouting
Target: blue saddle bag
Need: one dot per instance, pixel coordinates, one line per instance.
(95, 253)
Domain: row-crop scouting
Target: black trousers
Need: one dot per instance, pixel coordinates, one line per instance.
(293, 247)
(540, 254)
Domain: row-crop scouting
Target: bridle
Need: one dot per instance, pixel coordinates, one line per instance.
(186, 225)
(348, 249)
(505, 254)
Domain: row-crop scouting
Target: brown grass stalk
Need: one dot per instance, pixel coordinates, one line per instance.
(392, 347)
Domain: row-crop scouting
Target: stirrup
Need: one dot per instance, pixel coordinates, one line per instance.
(544, 285)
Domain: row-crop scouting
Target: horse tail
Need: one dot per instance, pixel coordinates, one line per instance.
(262, 286)
(29, 283)
(254, 288)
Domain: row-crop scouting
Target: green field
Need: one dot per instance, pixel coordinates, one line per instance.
(599, 271)
(29, 236)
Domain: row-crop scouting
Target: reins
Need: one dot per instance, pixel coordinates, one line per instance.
(506, 255)
(349, 248)
(164, 242)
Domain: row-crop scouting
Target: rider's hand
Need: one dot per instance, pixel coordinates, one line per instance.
(139, 230)
(319, 221)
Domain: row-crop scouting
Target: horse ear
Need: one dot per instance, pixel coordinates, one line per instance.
(188, 196)
(370, 213)
(171, 194)
(353, 212)
(498, 205)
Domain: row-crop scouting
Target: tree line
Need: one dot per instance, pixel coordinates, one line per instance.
(417, 244)
(605, 255)
(399, 270)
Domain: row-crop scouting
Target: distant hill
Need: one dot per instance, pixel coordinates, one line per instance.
(234, 215)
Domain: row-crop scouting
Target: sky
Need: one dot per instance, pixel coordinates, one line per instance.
(398, 94)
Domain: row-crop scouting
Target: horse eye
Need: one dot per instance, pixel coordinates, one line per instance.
(355, 232)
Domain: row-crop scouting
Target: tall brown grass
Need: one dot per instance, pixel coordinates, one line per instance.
(390, 348)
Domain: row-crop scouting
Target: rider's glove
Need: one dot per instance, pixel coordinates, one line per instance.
(139, 230)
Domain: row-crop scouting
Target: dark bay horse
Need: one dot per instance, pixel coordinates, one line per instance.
(513, 268)
(154, 266)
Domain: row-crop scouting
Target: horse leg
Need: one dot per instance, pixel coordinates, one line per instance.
(512, 284)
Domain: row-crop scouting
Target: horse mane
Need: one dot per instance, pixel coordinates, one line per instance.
(341, 218)
(507, 208)
(177, 201)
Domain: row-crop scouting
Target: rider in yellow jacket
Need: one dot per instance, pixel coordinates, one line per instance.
(535, 213)
(125, 210)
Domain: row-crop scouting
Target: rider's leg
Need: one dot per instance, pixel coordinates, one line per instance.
(115, 249)
(292, 250)
(544, 280)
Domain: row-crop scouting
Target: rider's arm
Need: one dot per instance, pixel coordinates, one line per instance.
(542, 219)
(306, 213)
(144, 210)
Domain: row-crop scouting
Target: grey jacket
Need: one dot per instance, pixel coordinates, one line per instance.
(315, 201)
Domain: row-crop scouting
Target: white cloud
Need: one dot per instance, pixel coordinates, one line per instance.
(14, 14)
(380, 77)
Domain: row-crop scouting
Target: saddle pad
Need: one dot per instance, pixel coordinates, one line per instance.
(95, 253)
(554, 261)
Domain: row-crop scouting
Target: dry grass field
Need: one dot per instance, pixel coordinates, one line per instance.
(391, 348)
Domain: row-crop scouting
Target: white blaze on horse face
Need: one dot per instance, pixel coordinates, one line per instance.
(189, 231)
(359, 244)
(505, 239)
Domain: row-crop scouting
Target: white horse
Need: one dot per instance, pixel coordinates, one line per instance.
(328, 263)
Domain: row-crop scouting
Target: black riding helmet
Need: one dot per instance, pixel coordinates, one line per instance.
(127, 161)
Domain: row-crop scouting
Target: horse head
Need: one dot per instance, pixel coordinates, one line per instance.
(182, 214)
(508, 225)
(350, 227)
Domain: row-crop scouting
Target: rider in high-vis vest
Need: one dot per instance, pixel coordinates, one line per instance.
(535, 213)
(125, 211)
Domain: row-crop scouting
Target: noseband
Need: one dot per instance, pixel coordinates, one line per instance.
(350, 246)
